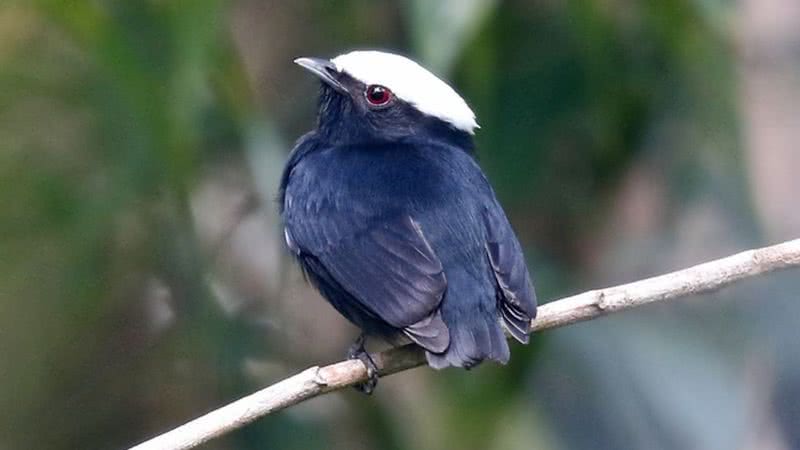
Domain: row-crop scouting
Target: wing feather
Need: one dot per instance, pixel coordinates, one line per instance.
(517, 298)
(389, 268)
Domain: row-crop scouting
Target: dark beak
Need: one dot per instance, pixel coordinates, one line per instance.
(324, 69)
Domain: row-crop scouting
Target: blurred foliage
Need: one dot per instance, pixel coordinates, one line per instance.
(143, 279)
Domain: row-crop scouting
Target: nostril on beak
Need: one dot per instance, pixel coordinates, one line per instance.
(324, 69)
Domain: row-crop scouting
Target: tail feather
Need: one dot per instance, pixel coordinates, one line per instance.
(472, 343)
(430, 333)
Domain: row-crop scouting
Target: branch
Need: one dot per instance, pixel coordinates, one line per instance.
(316, 381)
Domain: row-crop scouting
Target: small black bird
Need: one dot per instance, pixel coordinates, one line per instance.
(393, 221)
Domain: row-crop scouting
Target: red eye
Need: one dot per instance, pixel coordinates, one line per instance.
(378, 95)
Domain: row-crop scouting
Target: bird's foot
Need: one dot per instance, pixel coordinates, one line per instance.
(357, 351)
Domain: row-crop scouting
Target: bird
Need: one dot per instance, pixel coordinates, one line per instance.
(390, 217)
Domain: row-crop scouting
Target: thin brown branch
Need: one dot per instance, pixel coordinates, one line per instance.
(700, 279)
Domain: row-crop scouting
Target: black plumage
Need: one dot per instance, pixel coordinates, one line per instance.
(393, 221)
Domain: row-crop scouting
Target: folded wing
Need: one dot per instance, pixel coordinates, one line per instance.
(389, 268)
(517, 299)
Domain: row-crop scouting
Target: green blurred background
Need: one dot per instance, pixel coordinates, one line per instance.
(143, 279)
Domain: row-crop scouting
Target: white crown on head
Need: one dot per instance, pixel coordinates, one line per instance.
(411, 83)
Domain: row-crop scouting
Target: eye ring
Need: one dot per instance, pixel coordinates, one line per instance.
(378, 95)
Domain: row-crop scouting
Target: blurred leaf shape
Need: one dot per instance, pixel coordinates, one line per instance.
(440, 30)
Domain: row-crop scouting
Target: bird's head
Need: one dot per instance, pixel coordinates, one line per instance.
(372, 95)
